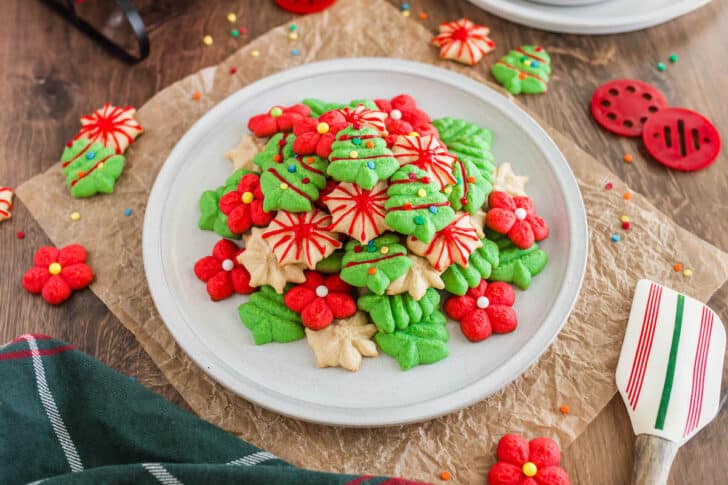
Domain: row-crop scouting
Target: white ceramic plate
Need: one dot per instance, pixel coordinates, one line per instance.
(607, 17)
(284, 377)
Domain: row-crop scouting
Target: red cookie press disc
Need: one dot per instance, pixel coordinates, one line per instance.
(304, 6)
(681, 139)
(623, 106)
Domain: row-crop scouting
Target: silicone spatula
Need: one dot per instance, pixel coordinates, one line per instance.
(669, 375)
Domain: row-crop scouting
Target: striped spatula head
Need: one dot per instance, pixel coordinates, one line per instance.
(669, 372)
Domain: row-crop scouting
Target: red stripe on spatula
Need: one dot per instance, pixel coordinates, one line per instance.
(699, 366)
(644, 346)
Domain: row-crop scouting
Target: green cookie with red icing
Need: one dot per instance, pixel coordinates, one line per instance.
(278, 149)
(90, 168)
(415, 205)
(360, 155)
(294, 184)
(376, 264)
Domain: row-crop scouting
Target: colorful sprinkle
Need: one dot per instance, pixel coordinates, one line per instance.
(353, 154)
(371, 248)
(372, 270)
(421, 193)
(207, 40)
(384, 250)
(235, 33)
(283, 186)
(678, 267)
(626, 225)
(688, 273)
(90, 155)
(295, 52)
(75, 216)
(565, 409)
(423, 15)
(20, 235)
(406, 13)
(196, 95)
(432, 209)
(608, 186)
(232, 18)
(624, 218)
(293, 36)
(233, 70)
(255, 53)
(616, 238)
(627, 158)
(404, 6)
(293, 27)
(445, 475)
(292, 168)
(661, 66)
(127, 212)
(673, 58)
(419, 220)
(627, 196)
(370, 144)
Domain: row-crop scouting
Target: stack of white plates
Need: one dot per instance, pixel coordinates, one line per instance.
(589, 16)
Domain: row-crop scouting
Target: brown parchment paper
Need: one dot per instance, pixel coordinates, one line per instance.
(578, 368)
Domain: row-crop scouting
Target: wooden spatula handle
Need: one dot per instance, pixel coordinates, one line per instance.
(652, 460)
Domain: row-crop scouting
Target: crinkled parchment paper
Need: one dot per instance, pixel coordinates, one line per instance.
(578, 369)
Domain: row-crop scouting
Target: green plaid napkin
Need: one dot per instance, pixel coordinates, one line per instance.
(66, 418)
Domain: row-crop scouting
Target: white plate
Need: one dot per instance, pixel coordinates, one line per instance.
(284, 377)
(608, 17)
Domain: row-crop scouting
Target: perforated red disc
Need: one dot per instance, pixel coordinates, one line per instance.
(681, 139)
(623, 106)
(304, 6)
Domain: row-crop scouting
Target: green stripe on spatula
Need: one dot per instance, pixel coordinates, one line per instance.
(670, 375)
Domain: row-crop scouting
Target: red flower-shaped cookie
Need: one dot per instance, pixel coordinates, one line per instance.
(320, 299)
(278, 119)
(485, 309)
(405, 118)
(316, 135)
(523, 462)
(58, 272)
(222, 272)
(244, 206)
(516, 217)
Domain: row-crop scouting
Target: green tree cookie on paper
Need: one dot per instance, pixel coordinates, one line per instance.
(90, 168)
(469, 142)
(376, 264)
(420, 343)
(268, 319)
(319, 106)
(517, 266)
(415, 205)
(294, 184)
(524, 70)
(458, 279)
(211, 217)
(361, 156)
(278, 149)
(470, 191)
(396, 312)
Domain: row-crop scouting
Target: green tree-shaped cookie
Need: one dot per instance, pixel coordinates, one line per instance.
(469, 142)
(211, 217)
(319, 106)
(376, 264)
(268, 319)
(361, 156)
(470, 191)
(278, 149)
(517, 266)
(524, 70)
(420, 343)
(396, 312)
(415, 205)
(458, 279)
(294, 184)
(90, 168)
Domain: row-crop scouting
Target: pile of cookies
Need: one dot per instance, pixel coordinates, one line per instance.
(358, 220)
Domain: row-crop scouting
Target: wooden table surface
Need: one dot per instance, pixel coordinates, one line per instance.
(51, 74)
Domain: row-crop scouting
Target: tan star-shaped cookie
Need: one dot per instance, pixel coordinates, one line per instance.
(242, 155)
(417, 279)
(261, 263)
(344, 342)
(505, 180)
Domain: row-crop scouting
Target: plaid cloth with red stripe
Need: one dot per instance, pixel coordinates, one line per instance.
(66, 418)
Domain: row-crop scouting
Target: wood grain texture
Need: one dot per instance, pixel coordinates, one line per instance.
(652, 460)
(51, 74)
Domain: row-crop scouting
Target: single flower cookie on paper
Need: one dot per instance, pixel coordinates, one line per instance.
(6, 203)
(262, 264)
(506, 180)
(344, 342)
(243, 154)
(417, 280)
(463, 41)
